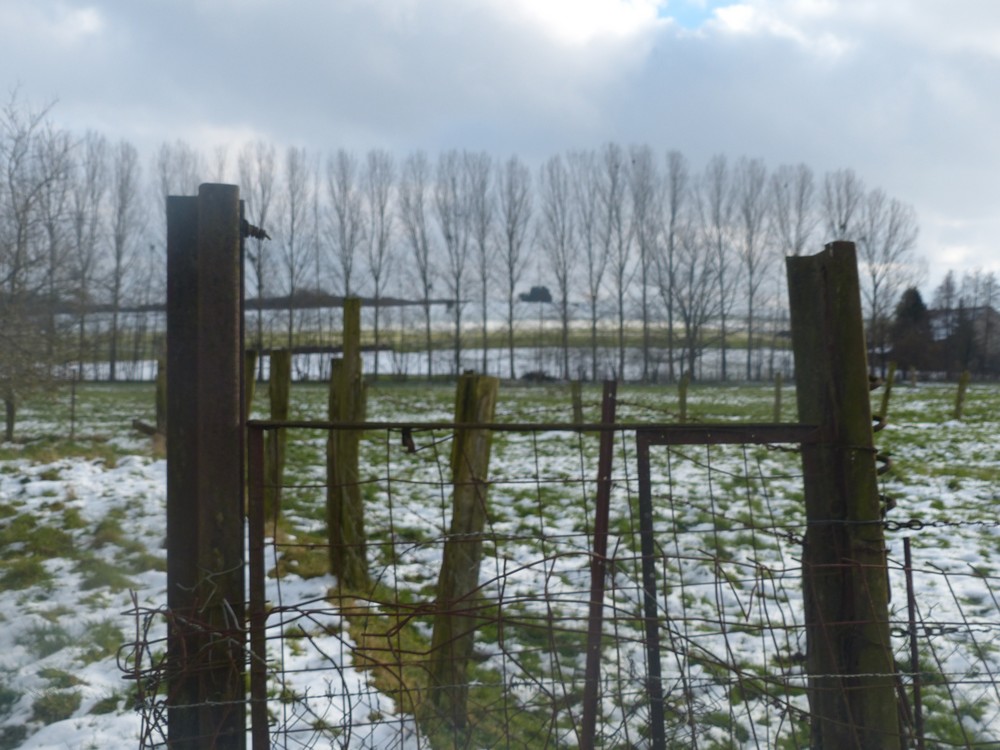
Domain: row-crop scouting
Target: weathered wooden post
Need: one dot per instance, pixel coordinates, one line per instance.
(345, 510)
(249, 380)
(456, 619)
(161, 395)
(576, 394)
(778, 384)
(278, 387)
(852, 692)
(883, 412)
(205, 594)
(682, 397)
(963, 386)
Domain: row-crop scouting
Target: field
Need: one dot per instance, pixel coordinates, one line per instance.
(82, 523)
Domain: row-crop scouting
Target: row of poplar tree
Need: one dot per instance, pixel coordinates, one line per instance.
(662, 257)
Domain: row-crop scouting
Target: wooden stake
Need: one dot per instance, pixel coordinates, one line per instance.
(345, 511)
(278, 390)
(456, 620)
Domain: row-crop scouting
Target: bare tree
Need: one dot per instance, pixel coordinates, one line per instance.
(317, 253)
(88, 194)
(515, 216)
(347, 224)
(886, 235)
(127, 220)
(482, 214)
(378, 182)
(451, 203)
(413, 197)
(715, 212)
(752, 242)
(293, 226)
(55, 150)
(556, 237)
(258, 175)
(675, 199)
(220, 162)
(945, 301)
(25, 177)
(793, 195)
(645, 188)
(178, 169)
(586, 202)
(616, 233)
(843, 194)
(693, 287)
(988, 294)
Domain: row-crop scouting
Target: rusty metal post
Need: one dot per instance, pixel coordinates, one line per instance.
(205, 595)
(598, 568)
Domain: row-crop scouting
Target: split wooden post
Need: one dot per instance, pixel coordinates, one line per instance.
(852, 681)
(278, 388)
(345, 510)
(206, 704)
(456, 619)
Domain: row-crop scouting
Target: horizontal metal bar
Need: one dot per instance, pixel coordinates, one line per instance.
(692, 433)
(719, 434)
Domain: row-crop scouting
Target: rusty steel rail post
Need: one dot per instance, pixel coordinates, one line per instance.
(686, 434)
(257, 615)
(598, 568)
(654, 672)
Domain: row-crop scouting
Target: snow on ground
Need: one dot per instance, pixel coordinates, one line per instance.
(80, 537)
(61, 633)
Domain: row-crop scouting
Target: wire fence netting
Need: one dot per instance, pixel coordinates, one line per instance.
(358, 667)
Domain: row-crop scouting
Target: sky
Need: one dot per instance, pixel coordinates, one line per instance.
(904, 92)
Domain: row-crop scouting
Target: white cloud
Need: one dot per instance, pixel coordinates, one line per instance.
(49, 23)
(899, 90)
(579, 22)
(797, 25)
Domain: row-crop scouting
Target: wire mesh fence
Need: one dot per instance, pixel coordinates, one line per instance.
(727, 531)
(723, 665)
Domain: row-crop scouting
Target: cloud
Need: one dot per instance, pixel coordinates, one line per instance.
(49, 23)
(897, 90)
(581, 22)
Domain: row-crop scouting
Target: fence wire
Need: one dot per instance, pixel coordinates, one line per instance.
(350, 668)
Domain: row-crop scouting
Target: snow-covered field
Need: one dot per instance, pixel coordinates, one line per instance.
(82, 533)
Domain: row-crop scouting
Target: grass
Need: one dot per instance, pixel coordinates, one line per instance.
(944, 470)
(55, 705)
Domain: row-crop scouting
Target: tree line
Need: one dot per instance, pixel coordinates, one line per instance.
(636, 245)
(961, 332)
